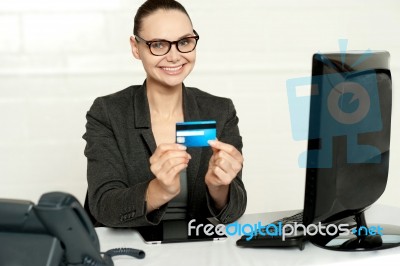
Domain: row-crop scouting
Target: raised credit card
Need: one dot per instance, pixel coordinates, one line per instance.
(196, 133)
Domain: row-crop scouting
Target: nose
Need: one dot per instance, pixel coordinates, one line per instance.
(173, 55)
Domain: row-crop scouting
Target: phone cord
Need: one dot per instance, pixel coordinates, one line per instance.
(140, 254)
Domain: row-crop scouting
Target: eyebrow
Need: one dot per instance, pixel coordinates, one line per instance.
(183, 36)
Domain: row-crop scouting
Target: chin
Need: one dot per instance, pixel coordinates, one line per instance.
(173, 81)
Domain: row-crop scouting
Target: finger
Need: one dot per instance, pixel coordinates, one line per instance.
(219, 145)
(228, 162)
(171, 163)
(169, 155)
(222, 178)
(225, 166)
(168, 175)
(165, 147)
(170, 181)
(177, 169)
(169, 160)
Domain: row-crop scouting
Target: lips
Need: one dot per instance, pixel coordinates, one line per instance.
(172, 69)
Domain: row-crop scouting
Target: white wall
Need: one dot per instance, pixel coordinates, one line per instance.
(57, 56)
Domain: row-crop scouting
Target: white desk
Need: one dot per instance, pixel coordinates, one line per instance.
(227, 253)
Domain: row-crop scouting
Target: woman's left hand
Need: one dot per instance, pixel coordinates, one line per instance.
(224, 165)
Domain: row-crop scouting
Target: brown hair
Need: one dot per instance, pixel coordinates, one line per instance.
(150, 6)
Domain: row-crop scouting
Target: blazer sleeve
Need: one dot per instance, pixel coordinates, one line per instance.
(237, 193)
(112, 200)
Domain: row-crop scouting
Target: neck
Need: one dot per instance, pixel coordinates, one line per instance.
(164, 101)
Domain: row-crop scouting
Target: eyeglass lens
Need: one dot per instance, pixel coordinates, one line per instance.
(184, 45)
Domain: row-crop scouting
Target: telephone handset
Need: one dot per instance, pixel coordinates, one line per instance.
(62, 226)
(65, 218)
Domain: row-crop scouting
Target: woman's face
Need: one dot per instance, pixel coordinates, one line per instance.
(171, 69)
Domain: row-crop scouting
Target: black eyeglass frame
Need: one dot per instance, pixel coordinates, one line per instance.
(149, 43)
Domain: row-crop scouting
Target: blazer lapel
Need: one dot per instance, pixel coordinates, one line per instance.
(142, 118)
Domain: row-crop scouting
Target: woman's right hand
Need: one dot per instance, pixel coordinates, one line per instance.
(166, 163)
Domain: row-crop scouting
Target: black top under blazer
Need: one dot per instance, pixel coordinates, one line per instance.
(119, 143)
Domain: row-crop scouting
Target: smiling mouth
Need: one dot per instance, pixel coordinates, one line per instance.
(172, 69)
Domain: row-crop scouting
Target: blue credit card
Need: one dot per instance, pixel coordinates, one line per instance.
(196, 133)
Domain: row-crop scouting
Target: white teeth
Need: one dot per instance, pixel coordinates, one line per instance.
(172, 68)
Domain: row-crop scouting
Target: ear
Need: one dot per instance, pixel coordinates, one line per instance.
(134, 47)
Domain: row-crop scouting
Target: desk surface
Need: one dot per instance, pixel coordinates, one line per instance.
(227, 253)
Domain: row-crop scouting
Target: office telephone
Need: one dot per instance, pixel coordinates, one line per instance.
(55, 232)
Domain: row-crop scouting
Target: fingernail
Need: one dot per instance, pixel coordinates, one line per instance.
(212, 142)
(182, 147)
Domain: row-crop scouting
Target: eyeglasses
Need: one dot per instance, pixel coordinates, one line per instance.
(162, 47)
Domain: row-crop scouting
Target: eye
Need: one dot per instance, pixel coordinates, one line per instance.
(159, 45)
(184, 42)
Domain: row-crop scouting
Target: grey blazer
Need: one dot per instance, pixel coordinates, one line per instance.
(119, 143)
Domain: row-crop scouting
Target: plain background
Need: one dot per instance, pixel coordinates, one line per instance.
(57, 56)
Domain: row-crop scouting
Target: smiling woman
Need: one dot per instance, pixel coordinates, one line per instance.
(137, 174)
